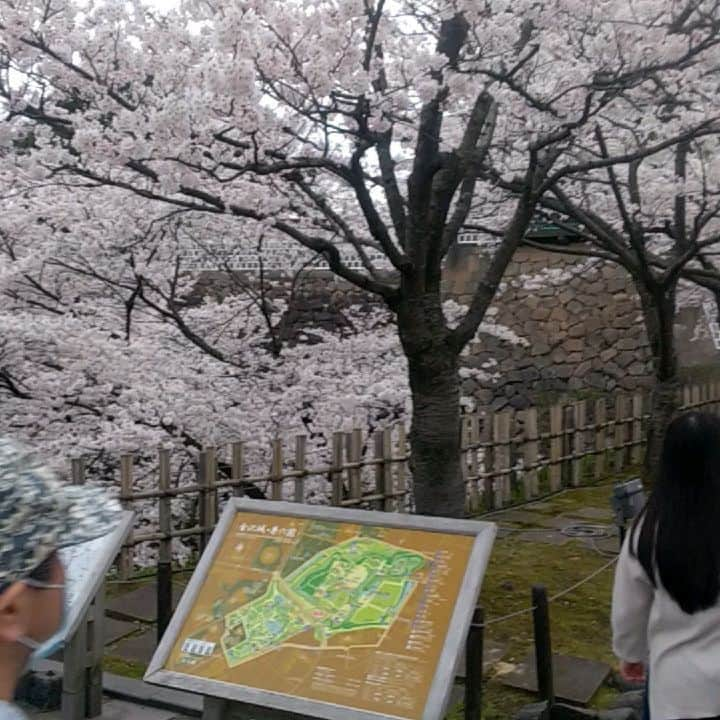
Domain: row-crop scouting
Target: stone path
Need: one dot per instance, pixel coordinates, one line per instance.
(116, 710)
(130, 629)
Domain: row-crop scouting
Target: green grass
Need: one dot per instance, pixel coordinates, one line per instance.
(128, 668)
(580, 621)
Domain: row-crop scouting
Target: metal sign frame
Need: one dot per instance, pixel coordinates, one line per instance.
(101, 564)
(458, 627)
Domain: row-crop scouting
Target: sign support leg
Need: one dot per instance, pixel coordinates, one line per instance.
(96, 648)
(543, 646)
(214, 708)
(74, 676)
(474, 666)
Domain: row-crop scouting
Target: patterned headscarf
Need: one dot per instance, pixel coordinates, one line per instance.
(38, 514)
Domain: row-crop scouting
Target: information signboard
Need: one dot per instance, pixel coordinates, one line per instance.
(85, 568)
(327, 612)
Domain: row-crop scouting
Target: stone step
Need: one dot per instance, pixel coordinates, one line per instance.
(575, 679)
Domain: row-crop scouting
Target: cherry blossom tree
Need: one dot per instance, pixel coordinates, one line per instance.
(103, 347)
(107, 346)
(375, 125)
(658, 218)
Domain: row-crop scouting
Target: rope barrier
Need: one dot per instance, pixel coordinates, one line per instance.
(552, 598)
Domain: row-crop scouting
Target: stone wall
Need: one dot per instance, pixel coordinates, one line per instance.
(581, 325)
(579, 319)
(560, 325)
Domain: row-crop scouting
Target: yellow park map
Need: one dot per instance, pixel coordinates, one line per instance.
(349, 614)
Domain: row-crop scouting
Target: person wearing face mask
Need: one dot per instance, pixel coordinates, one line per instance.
(38, 517)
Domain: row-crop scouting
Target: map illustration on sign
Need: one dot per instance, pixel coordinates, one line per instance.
(341, 614)
(361, 584)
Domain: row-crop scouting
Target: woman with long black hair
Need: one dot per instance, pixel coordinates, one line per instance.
(666, 610)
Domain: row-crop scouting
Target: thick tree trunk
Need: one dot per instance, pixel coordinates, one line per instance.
(435, 386)
(658, 306)
(663, 408)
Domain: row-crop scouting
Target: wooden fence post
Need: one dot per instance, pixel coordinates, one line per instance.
(686, 397)
(276, 476)
(212, 493)
(578, 445)
(637, 429)
(556, 447)
(620, 433)
(126, 491)
(300, 455)
(164, 569)
(353, 452)
(388, 488)
(488, 462)
(203, 505)
(600, 418)
(465, 458)
(695, 395)
(473, 440)
(543, 645)
(402, 468)
(336, 475)
(501, 440)
(77, 468)
(530, 453)
(379, 458)
(238, 468)
(474, 667)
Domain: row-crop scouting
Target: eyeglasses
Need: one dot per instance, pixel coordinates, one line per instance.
(43, 585)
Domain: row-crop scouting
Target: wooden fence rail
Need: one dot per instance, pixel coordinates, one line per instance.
(508, 457)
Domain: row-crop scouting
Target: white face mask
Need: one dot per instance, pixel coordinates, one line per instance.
(43, 650)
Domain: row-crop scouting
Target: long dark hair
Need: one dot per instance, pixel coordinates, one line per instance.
(680, 525)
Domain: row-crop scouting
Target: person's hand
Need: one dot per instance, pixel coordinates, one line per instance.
(633, 672)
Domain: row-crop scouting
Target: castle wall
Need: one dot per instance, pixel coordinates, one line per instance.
(560, 324)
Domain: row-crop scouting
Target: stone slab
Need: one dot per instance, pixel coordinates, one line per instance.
(139, 648)
(116, 710)
(576, 679)
(139, 604)
(115, 630)
(118, 629)
(493, 652)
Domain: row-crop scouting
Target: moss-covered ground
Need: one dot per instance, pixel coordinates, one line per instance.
(580, 621)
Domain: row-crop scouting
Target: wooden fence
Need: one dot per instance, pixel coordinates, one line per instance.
(508, 457)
